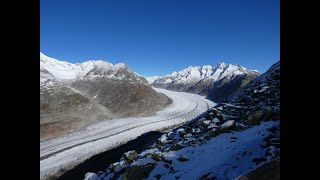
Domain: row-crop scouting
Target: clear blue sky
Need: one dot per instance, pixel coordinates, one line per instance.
(156, 37)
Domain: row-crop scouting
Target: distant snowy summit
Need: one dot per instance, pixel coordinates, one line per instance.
(93, 69)
(196, 73)
(207, 80)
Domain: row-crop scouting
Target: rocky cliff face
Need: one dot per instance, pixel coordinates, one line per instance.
(75, 95)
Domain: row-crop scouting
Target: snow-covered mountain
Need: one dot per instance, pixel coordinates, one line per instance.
(93, 69)
(74, 95)
(207, 80)
(151, 79)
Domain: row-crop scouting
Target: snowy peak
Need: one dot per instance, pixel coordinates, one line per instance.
(93, 69)
(216, 82)
(196, 73)
(63, 70)
(151, 79)
(221, 65)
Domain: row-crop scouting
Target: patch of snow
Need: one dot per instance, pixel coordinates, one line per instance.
(212, 125)
(215, 120)
(220, 157)
(91, 176)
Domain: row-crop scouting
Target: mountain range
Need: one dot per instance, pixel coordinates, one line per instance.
(75, 95)
(217, 83)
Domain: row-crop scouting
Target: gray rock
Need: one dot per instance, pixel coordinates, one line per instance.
(227, 125)
(131, 155)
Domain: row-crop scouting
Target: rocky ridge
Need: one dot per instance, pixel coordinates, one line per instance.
(218, 83)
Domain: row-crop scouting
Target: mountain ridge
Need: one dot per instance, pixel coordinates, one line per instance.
(207, 80)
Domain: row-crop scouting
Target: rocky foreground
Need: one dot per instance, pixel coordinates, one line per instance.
(230, 140)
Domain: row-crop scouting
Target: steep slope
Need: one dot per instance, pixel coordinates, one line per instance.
(63, 109)
(121, 90)
(262, 91)
(218, 83)
(228, 141)
(221, 90)
(75, 95)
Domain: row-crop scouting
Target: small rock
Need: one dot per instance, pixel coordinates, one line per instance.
(91, 176)
(202, 119)
(196, 130)
(227, 125)
(215, 120)
(138, 172)
(156, 156)
(171, 135)
(183, 159)
(203, 123)
(163, 138)
(187, 135)
(212, 133)
(194, 141)
(131, 155)
(158, 176)
(180, 132)
(258, 160)
(166, 160)
(166, 165)
(212, 125)
(176, 147)
(255, 116)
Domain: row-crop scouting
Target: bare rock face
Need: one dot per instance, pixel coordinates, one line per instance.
(75, 95)
(220, 91)
(63, 109)
(123, 99)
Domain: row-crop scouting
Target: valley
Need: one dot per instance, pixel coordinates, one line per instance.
(71, 149)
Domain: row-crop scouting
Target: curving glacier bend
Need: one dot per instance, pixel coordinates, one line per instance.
(69, 150)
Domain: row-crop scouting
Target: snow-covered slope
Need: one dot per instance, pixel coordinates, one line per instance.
(207, 80)
(65, 70)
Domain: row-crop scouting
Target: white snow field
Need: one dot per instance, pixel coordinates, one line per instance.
(222, 156)
(71, 149)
